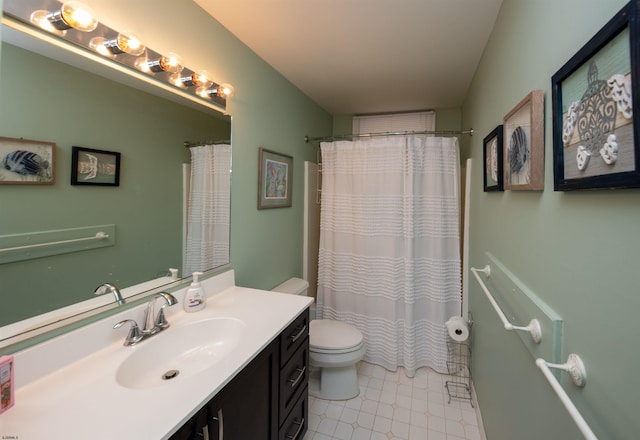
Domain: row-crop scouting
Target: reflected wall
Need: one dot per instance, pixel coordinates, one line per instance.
(49, 101)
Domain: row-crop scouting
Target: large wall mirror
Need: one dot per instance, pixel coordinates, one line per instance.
(47, 100)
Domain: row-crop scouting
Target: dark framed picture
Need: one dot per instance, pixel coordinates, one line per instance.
(595, 130)
(523, 141)
(492, 154)
(275, 172)
(23, 161)
(94, 167)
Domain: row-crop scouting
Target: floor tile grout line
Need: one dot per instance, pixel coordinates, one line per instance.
(425, 392)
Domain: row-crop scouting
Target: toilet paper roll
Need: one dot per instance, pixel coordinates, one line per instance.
(458, 328)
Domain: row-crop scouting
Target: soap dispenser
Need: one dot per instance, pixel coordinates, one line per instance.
(195, 298)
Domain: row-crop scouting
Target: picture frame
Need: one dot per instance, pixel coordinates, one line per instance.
(523, 144)
(275, 173)
(595, 131)
(27, 162)
(94, 167)
(492, 155)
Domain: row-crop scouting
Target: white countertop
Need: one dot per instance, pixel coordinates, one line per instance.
(67, 388)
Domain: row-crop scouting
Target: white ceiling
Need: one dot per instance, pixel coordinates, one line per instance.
(366, 56)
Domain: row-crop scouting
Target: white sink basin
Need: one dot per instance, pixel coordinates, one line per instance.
(177, 353)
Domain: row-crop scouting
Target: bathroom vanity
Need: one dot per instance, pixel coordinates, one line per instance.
(268, 399)
(242, 373)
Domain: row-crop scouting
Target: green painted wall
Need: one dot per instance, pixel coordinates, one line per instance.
(575, 250)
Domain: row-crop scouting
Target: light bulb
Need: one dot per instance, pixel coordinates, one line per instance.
(40, 19)
(98, 44)
(125, 42)
(171, 63)
(198, 79)
(71, 15)
(225, 90)
(203, 92)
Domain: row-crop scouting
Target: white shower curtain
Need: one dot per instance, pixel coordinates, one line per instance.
(208, 209)
(389, 259)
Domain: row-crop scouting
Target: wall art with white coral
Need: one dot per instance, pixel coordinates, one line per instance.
(595, 139)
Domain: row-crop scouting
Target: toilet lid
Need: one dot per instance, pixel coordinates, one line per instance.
(333, 335)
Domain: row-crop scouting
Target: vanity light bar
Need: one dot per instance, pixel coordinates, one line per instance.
(122, 48)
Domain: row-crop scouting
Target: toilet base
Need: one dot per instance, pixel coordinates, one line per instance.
(334, 383)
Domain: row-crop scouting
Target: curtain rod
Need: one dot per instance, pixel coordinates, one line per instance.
(308, 139)
(188, 144)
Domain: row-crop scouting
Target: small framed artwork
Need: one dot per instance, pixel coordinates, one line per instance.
(94, 167)
(595, 130)
(492, 153)
(275, 172)
(523, 139)
(24, 161)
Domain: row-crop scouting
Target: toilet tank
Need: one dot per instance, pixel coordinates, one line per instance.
(295, 286)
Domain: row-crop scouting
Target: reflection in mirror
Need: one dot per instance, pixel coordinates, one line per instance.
(49, 101)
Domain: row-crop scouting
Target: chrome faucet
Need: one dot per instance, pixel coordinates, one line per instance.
(134, 336)
(108, 287)
(152, 323)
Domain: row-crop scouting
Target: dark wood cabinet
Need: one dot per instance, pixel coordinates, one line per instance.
(245, 408)
(295, 425)
(267, 400)
(294, 378)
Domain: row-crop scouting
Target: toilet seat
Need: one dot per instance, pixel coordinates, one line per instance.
(329, 336)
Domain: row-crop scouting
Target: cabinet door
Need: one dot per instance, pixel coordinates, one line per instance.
(247, 407)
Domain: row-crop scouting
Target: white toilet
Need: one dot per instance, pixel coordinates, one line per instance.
(334, 347)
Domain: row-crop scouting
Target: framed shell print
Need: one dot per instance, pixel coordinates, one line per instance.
(523, 139)
(94, 167)
(492, 154)
(595, 130)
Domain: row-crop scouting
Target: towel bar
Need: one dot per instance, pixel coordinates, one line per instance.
(576, 370)
(98, 236)
(533, 328)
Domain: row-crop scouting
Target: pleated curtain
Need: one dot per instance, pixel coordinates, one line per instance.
(207, 243)
(389, 258)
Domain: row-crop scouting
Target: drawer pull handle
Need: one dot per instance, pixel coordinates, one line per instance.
(295, 381)
(220, 420)
(297, 433)
(295, 337)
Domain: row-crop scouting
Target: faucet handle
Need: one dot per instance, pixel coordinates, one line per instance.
(169, 300)
(134, 335)
(161, 321)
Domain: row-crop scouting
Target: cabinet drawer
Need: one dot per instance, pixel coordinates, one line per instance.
(294, 378)
(293, 336)
(295, 426)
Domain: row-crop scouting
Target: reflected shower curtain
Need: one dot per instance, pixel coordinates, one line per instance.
(389, 259)
(208, 208)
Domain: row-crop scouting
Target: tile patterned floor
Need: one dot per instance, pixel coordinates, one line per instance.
(392, 406)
